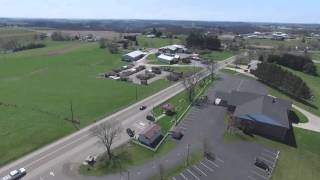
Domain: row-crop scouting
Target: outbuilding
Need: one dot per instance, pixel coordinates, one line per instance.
(166, 59)
(133, 56)
(151, 136)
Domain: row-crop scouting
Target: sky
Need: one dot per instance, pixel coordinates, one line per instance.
(290, 11)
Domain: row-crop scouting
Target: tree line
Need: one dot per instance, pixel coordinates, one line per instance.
(296, 62)
(203, 41)
(283, 80)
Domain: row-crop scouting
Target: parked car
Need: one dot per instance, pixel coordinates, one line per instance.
(143, 108)
(15, 174)
(130, 132)
(150, 118)
(261, 164)
(91, 160)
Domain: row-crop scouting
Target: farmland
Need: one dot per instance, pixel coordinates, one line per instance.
(217, 55)
(38, 86)
(156, 42)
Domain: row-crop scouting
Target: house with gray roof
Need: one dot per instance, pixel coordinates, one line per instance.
(133, 56)
(259, 114)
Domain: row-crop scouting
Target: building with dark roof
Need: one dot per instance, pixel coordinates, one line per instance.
(151, 135)
(259, 114)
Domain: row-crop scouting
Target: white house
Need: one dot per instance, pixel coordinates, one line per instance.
(133, 56)
(166, 59)
(172, 49)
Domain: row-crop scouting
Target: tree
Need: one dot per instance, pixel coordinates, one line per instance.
(211, 67)
(106, 132)
(102, 43)
(190, 83)
(113, 48)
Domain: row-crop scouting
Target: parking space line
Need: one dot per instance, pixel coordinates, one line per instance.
(220, 160)
(193, 174)
(196, 167)
(184, 177)
(271, 162)
(262, 176)
(212, 162)
(268, 151)
(210, 169)
(259, 169)
(251, 178)
(268, 156)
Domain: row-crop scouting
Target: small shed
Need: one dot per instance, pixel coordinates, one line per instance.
(151, 136)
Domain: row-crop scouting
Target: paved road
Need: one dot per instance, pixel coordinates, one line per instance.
(51, 161)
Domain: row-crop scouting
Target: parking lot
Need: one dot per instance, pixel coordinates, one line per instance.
(205, 169)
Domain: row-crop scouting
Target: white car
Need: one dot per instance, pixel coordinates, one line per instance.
(15, 174)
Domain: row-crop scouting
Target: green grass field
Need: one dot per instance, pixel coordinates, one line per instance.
(316, 56)
(38, 85)
(217, 55)
(295, 163)
(156, 42)
(268, 42)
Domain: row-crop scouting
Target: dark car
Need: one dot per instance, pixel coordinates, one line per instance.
(130, 132)
(15, 175)
(150, 118)
(261, 164)
(143, 108)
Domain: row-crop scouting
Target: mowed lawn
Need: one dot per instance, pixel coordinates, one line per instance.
(314, 83)
(37, 87)
(156, 42)
(217, 55)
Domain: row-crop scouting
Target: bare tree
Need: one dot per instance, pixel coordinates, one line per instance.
(190, 83)
(211, 67)
(106, 133)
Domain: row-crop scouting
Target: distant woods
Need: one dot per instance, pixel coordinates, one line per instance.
(203, 41)
(296, 62)
(283, 80)
(59, 36)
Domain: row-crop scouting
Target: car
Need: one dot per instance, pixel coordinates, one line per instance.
(130, 132)
(143, 108)
(15, 174)
(150, 118)
(262, 165)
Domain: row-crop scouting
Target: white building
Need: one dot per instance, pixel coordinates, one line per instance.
(133, 56)
(172, 49)
(166, 59)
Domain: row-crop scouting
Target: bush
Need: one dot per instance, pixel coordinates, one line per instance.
(29, 46)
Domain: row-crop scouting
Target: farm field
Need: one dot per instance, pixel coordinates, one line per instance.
(156, 42)
(38, 85)
(217, 55)
(268, 42)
